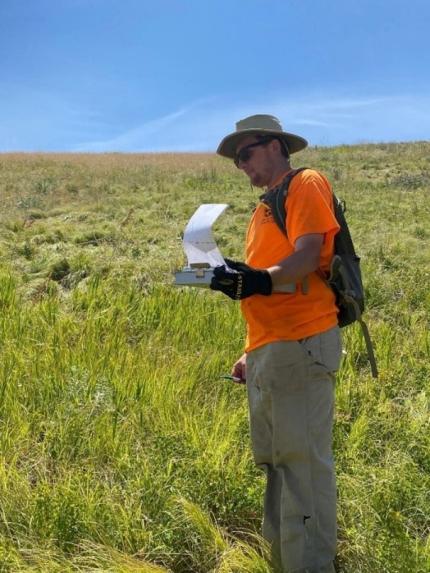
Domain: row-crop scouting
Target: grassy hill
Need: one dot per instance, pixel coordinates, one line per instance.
(121, 448)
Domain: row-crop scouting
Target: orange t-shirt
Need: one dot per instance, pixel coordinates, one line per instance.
(282, 316)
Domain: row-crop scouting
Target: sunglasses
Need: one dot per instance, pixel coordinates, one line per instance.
(245, 154)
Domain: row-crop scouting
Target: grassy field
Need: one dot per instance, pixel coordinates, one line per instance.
(121, 449)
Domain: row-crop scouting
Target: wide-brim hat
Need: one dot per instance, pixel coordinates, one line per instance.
(259, 125)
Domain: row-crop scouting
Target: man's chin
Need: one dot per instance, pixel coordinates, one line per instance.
(256, 180)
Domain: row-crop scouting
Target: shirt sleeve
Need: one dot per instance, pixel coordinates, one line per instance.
(309, 208)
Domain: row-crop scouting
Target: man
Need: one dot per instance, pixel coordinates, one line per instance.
(293, 345)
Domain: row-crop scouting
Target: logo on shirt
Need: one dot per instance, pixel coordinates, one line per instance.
(267, 216)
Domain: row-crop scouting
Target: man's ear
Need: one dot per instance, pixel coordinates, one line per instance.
(277, 145)
(274, 143)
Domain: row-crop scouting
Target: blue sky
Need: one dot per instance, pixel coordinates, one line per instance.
(175, 75)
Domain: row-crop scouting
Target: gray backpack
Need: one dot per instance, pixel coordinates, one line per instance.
(344, 277)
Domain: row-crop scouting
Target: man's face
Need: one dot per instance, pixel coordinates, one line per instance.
(257, 162)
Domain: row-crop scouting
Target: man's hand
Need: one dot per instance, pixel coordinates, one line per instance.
(239, 370)
(243, 283)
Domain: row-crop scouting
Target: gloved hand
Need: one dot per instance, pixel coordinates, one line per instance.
(243, 283)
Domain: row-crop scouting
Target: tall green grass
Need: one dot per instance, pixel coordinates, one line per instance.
(121, 448)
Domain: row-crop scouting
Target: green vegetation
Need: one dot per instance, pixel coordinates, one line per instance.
(121, 448)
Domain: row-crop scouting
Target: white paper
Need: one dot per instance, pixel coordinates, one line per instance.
(199, 244)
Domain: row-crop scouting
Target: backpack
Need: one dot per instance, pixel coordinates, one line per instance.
(344, 277)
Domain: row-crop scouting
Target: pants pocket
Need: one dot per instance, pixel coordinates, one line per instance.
(325, 348)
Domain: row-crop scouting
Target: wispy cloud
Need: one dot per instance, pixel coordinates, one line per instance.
(38, 121)
(149, 133)
(311, 122)
(323, 120)
(134, 137)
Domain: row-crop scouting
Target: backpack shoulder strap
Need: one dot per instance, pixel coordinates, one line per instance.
(343, 240)
(275, 199)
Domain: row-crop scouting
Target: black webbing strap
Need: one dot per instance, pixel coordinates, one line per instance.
(369, 348)
(276, 199)
(366, 335)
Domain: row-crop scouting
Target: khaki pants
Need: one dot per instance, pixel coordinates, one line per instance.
(291, 402)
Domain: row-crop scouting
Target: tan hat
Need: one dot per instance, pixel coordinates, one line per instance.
(259, 124)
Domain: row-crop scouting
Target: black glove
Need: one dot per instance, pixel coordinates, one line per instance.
(243, 283)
